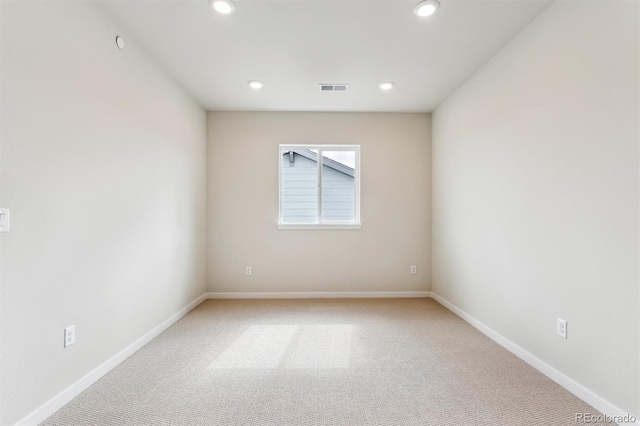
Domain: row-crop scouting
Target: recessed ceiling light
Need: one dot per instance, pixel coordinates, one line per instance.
(223, 6)
(387, 85)
(120, 42)
(255, 84)
(426, 8)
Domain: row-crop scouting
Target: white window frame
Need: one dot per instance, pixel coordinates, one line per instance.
(357, 224)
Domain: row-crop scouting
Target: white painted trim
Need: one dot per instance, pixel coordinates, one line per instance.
(58, 401)
(566, 382)
(321, 226)
(320, 181)
(322, 295)
(357, 174)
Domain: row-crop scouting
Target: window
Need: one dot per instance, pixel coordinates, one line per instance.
(319, 187)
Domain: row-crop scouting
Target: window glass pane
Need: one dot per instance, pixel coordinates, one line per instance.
(338, 186)
(299, 186)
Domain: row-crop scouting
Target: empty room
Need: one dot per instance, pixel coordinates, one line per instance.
(319, 212)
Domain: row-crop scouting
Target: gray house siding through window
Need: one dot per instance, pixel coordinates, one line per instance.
(300, 186)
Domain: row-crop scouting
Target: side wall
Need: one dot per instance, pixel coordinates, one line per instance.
(535, 195)
(103, 167)
(243, 208)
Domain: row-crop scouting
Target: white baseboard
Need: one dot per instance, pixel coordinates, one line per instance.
(322, 295)
(569, 384)
(75, 389)
(58, 401)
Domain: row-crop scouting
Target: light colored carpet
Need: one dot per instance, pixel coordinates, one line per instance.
(322, 362)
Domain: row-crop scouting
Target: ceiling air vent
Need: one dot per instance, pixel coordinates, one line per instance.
(334, 87)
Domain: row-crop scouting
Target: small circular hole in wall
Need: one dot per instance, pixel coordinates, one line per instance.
(120, 42)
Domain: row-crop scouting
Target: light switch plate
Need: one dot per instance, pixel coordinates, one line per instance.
(4, 220)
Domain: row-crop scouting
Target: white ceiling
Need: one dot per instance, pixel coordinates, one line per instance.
(293, 45)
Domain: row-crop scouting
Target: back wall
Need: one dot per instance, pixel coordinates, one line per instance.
(243, 205)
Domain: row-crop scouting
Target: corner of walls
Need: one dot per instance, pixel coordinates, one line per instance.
(431, 176)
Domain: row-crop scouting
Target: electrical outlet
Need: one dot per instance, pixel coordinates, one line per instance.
(414, 270)
(69, 335)
(247, 270)
(562, 328)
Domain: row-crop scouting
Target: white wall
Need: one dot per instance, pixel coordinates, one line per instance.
(535, 194)
(243, 162)
(103, 168)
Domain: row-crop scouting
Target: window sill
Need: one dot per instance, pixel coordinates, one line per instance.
(320, 226)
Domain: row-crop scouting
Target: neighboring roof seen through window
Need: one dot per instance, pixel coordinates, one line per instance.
(343, 161)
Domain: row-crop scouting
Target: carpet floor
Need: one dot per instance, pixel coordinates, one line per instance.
(322, 362)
